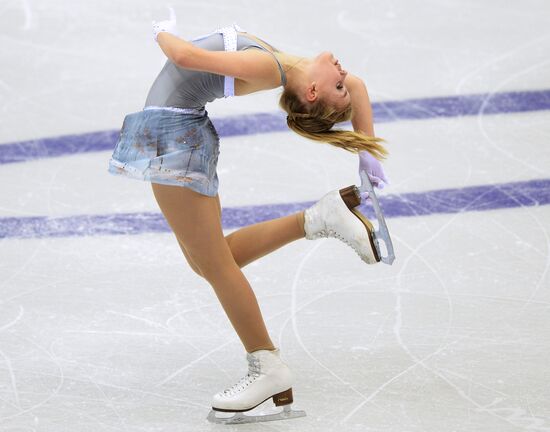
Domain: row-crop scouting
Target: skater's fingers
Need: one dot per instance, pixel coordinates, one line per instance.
(385, 179)
(383, 182)
(379, 182)
(168, 26)
(365, 196)
(172, 13)
(375, 180)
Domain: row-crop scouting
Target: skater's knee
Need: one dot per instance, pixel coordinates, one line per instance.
(208, 259)
(190, 260)
(212, 265)
(212, 271)
(195, 268)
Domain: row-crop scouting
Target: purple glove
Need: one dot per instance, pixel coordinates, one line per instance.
(373, 167)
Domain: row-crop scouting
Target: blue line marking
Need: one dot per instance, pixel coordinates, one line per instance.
(475, 198)
(414, 109)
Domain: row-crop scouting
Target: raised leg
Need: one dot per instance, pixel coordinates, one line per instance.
(255, 241)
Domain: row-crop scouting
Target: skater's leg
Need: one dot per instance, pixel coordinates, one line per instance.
(190, 261)
(195, 220)
(254, 241)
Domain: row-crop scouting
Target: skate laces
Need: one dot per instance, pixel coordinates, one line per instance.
(334, 234)
(322, 229)
(252, 375)
(330, 232)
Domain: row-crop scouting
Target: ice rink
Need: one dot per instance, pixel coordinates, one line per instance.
(104, 327)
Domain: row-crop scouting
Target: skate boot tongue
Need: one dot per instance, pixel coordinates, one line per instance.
(254, 371)
(254, 366)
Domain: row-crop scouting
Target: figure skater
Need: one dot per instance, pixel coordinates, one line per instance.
(173, 144)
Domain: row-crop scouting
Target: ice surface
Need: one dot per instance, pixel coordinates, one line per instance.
(116, 333)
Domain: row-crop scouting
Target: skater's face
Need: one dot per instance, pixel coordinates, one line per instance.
(327, 81)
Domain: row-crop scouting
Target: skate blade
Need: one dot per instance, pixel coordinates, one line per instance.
(240, 417)
(370, 231)
(382, 234)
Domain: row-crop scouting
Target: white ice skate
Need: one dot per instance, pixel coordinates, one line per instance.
(268, 377)
(337, 215)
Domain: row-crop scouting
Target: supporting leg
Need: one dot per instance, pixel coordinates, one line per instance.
(196, 222)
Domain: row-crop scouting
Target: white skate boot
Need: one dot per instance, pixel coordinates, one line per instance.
(335, 216)
(268, 377)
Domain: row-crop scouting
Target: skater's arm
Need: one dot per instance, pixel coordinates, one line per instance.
(248, 65)
(362, 122)
(173, 47)
(361, 119)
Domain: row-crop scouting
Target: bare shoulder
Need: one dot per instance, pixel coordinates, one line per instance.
(353, 83)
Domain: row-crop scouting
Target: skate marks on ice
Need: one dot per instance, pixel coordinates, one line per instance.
(458, 339)
(257, 415)
(525, 194)
(479, 105)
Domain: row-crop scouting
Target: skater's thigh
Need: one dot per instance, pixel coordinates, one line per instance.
(196, 221)
(217, 197)
(186, 254)
(190, 261)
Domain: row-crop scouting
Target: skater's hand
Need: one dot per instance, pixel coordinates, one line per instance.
(373, 168)
(168, 25)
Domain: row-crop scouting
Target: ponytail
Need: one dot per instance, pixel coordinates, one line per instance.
(317, 125)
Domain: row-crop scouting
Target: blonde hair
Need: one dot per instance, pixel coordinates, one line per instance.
(316, 121)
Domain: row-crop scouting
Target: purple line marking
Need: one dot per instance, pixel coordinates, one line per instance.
(476, 198)
(413, 109)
